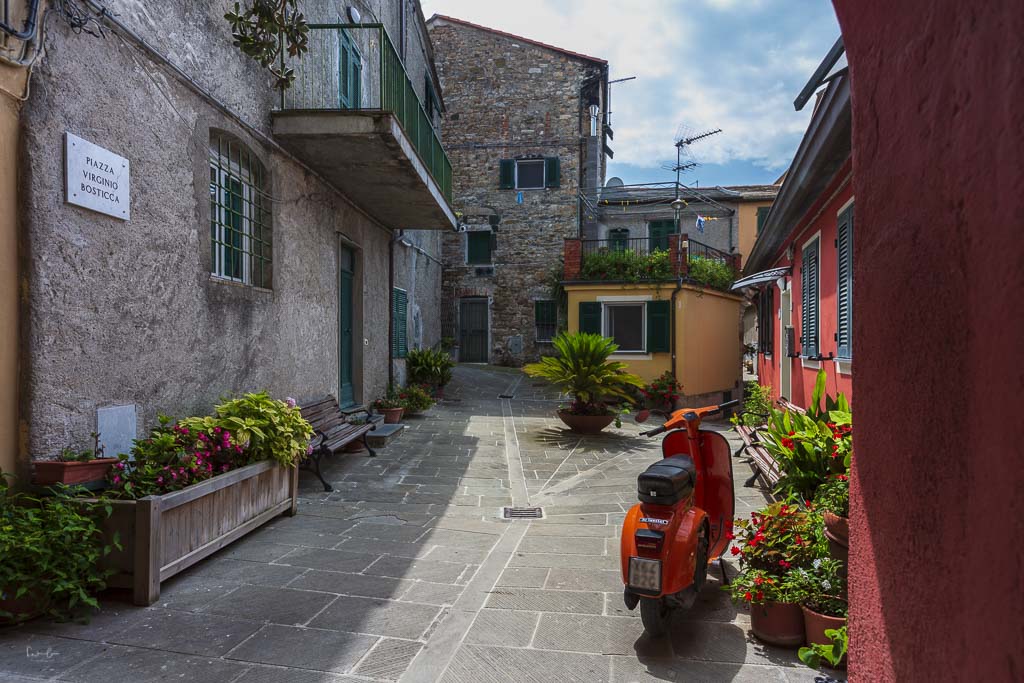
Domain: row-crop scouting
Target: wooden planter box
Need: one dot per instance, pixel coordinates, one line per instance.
(164, 535)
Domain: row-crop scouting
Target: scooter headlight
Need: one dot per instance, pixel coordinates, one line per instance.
(645, 574)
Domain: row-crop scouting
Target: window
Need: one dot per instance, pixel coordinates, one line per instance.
(658, 232)
(400, 323)
(545, 318)
(762, 215)
(844, 287)
(624, 324)
(350, 89)
(240, 234)
(529, 174)
(809, 313)
(766, 320)
(618, 239)
(638, 327)
(478, 247)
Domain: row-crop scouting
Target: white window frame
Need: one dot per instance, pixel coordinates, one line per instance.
(218, 266)
(544, 173)
(606, 330)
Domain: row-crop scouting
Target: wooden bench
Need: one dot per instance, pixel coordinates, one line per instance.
(753, 448)
(333, 431)
(785, 404)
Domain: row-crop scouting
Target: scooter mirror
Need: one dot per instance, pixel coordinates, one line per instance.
(642, 416)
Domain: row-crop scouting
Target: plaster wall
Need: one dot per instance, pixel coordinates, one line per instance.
(746, 219)
(96, 287)
(937, 541)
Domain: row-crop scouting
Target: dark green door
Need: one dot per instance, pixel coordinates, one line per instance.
(658, 232)
(346, 268)
(473, 331)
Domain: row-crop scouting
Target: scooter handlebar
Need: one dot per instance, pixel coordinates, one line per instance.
(653, 432)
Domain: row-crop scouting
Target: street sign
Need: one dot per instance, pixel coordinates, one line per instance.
(97, 179)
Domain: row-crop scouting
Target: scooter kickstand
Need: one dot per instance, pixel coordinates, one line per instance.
(721, 568)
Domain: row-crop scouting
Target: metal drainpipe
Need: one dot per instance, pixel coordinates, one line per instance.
(391, 307)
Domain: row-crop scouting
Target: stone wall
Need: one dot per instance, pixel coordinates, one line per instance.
(508, 98)
(127, 312)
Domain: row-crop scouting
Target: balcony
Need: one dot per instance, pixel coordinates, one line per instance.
(649, 259)
(354, 116)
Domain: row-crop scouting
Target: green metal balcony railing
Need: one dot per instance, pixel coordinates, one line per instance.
(356, 67)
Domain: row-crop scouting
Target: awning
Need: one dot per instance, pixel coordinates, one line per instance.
(762, 277)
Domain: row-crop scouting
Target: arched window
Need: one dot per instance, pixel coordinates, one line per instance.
(240, 231)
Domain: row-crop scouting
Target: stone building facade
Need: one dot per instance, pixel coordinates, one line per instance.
(525, 129)
(167, 311)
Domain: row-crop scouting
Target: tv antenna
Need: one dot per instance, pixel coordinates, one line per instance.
(685, 137)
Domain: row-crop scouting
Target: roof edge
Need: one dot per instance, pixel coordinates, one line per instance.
(531, 41)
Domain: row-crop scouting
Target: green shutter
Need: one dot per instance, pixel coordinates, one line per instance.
(659, 326)
(809, 309)
(506, 174)
(400, 317)
(590, 317)
(618, 239)
(478, 247)
(762, 215)
(658, 232)
(552, 172)
(844, 286)
(545, 319)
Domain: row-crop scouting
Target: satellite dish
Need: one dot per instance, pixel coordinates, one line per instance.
(614, 182)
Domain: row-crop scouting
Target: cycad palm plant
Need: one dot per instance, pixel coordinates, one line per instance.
(582, 369)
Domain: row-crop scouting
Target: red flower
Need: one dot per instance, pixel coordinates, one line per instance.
(759, 580)
(747, 596)
(784, 564)
(760, 595)
(730, 535)
(735, 550)
(792, 433)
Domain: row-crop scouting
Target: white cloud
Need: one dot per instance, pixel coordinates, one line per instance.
(711, 64)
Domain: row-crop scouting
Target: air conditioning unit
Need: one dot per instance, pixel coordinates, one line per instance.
(482, 271)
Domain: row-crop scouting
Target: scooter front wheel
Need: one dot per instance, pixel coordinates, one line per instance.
(654, 613)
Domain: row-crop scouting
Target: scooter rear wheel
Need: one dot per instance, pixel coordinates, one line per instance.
(654, 613)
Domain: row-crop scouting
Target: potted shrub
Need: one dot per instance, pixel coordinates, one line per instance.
(581, 369)
(391, 406)
(74, 467)
(770, 545)
(833, 499)
(429, 367)
(51, 549)
(662, 393)
(822, 600)
(415, 399)
(833, 654)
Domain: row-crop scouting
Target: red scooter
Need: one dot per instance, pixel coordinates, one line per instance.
(683, 520)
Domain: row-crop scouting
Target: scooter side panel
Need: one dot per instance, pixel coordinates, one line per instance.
(680, 556)
(716, 496)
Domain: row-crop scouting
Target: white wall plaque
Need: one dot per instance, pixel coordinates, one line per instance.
(97, 178)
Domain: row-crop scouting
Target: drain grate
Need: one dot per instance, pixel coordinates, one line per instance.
(523, 513)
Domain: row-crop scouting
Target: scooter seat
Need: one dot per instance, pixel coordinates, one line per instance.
(667, 481)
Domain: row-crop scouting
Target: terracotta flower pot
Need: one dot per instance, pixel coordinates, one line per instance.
(815, 625)
(585, 424)
(838, 528)
(55, 471)
(392, 415)
(778, 623)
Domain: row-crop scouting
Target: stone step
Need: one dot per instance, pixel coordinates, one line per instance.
(383, 434)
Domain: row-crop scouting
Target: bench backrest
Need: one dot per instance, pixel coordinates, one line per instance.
(324, 414)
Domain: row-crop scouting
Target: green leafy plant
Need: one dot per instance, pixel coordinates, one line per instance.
(582, 370)
(821, 587)
(94, 453)
(390, 400)
(810, 448)
(757, 406)
(265, 28)
(776, 538)
(415, 398)
(267, 429)
(711, 273)
(662, 392)
(832, 654)
(51, 549)
(834, 495)
(626, 265)
(432, 367)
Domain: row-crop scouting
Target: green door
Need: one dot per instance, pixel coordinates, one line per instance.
(346, 267)
(658, 232)
(474, 331)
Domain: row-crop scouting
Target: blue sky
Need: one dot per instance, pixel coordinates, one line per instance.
(700, 65)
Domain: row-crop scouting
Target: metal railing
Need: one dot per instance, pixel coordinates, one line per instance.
(695, 249)
(356, 67)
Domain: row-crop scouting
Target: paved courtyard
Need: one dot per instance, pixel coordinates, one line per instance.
(406, 572)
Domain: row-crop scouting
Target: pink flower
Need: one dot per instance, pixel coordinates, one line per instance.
(117, 479)
(290, 402)
(160, 480)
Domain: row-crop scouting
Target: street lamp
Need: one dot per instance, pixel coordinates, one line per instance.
(677, 207)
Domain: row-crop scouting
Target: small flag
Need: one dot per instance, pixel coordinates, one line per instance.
(700, 223)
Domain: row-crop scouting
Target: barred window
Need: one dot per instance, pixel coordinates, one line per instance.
(240, 230)
(545, 318)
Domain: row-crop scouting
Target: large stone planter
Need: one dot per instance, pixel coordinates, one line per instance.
(164, 535)
(585, 424)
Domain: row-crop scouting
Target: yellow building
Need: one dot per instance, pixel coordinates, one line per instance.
(669, 323)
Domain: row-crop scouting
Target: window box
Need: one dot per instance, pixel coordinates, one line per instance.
(162, 536)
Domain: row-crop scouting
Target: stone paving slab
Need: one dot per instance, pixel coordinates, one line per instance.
(378, 617)
(304, 648)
